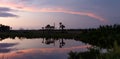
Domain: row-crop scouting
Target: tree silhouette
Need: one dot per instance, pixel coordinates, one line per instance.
(49, 27)
(4, 28)
(62, 26)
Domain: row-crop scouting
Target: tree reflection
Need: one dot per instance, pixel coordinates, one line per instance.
(49, 41)
(62, 43)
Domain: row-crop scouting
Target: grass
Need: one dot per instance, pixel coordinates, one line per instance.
(93, 53)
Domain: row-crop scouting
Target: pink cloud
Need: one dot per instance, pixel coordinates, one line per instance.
(62, 10)
(72, 12)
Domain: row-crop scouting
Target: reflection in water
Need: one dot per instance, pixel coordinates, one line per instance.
(62, 43)
(48, 41)
(4, 47)
(52, 41)
(43, 53)
(38, 48)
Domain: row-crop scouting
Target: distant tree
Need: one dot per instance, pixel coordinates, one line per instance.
(62, 26)
(47, 26)
(4, 28)
(60, 23)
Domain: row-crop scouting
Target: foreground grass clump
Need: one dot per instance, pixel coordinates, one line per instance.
(93, 53)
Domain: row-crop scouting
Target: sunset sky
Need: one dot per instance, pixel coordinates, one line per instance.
(34, 14)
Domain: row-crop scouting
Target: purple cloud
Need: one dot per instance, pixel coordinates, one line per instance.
(5, 12)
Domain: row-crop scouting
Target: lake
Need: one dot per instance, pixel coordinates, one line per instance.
(39, 48)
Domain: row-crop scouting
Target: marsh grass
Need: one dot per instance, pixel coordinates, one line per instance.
(93, 53)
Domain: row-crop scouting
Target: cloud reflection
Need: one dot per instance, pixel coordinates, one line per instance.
(43, 53)
(4, 47)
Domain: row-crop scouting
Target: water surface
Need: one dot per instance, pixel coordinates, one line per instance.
(39, 48)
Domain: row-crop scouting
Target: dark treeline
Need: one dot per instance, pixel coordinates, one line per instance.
(104, 36)
(39, 34)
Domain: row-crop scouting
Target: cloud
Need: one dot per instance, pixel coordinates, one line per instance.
(5, 12)
(24, 7)
(4, 9)
(62, 10)
(72, 12)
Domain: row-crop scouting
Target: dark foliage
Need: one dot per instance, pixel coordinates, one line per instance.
(4, 28)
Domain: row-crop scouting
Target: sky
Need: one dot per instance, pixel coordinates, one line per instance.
(34, 14)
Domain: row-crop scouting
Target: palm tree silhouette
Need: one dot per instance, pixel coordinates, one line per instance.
(62, 26)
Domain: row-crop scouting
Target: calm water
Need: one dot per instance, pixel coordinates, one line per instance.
(39, 48)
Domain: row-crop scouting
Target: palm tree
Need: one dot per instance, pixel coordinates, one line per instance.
(61, 26)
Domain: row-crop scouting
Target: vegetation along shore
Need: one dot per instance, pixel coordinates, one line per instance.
(105, 37)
